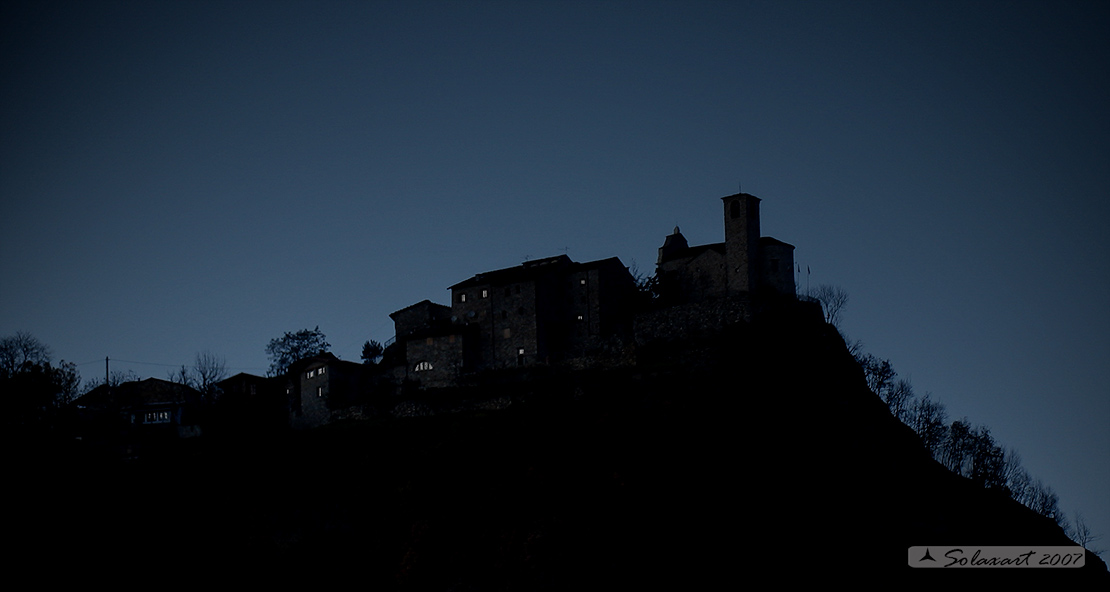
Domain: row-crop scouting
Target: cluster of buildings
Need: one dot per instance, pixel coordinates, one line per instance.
(545, 312)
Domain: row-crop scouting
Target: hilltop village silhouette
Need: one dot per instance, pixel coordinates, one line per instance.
(545, 313)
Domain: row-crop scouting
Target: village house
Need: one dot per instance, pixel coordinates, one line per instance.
(318, 385)
(250, 403)
(545, 311)
(151, 408)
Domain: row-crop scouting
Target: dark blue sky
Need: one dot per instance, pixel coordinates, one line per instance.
(181, 176)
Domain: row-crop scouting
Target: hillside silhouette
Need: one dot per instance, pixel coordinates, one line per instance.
(758, 451)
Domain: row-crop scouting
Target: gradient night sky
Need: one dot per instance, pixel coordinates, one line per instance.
(181, 176)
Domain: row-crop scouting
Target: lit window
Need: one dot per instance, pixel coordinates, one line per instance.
(422, 366)
(462, 297)
(485, 293)
(321, 370)
(582, 282)
(157, 417)
(580, 317)
(319, 391)
(520, 351)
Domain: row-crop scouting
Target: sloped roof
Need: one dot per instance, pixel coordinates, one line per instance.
(138, 393)
(691, 252)
(428, 303)
(526, 271)
(321, 359)
(768, 241)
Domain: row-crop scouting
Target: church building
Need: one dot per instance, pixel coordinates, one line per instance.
(744, 264)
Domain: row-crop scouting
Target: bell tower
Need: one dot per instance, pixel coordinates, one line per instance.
(741, 241)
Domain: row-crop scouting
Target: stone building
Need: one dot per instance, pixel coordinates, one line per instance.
(318, 385)
(430, 345)
(744, 264)
(545, 311)
(706, 287)
(555, 311)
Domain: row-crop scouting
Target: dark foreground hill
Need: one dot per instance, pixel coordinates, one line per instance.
(718, 462)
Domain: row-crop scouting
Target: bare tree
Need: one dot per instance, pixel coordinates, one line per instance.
(956, 450)
(1045, 502)
(928, 419)
(1022, 487)
(208, 369)
(879, 373)
(1016, 478)
(34, 391)
(833, 299)
(987, 460)
(899, 399)
(855, 347)
(19, 350)
(1081, 533)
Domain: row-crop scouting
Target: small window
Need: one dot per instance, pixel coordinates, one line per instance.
(582, 282)
(520, 351)
(157, 417)
(485, 293)
(507, 333)
(311, 373)
(422, 367)
(580, 317)
(462, 297)
(319, 391)
(321, 371)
